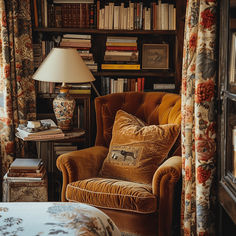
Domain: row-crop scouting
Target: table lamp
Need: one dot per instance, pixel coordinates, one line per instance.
(64, 65)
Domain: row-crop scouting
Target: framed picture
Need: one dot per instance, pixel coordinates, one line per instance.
(155, 56)
(232, 70)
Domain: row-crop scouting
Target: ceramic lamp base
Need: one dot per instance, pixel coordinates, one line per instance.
(63, 106)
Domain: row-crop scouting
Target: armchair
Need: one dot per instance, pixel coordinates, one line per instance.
(136, 208)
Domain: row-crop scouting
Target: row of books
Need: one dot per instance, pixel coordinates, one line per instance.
(121, 51)
(53, 13)
(134, 15)
(41, 50)
(106, 14)
(119, 85)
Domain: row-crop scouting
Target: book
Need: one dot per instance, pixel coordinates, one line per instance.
(73, 1)
(25, 133)
(26, 163)
(132, 44)
(122, 53)
(120, 66)
(36, 22)
(122, 39)
(76, 36)
(76, 44)
(28, 179)
(120, 58)
(80, 91)
(25, 170)
(27, 174)
(121, 48)
(75, 40)
(40, 137)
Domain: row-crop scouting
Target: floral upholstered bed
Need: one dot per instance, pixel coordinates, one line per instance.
(54, 218)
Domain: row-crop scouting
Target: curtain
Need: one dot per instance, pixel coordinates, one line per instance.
(18, 88)
(198, 118)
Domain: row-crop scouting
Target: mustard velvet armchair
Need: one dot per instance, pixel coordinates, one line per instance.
(138, 209)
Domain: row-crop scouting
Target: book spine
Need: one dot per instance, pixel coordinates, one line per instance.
(97, 15)
(120, 44)
(36, 20)
(120, 66)
(121, 48)
(22, 174)
(51, 15)
(59, 21)
(45, 136)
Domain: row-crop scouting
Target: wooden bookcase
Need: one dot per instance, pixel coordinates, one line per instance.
(174, 38)
(227, 120)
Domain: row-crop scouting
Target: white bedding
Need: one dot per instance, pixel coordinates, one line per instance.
(54, 218)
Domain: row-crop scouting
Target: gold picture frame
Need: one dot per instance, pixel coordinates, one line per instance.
(155, 56)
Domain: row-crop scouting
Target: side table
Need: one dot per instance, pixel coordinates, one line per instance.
(54, 179)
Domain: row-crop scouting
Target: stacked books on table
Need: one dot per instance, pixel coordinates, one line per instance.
(48, 130)
(28, 169)
(121, 54)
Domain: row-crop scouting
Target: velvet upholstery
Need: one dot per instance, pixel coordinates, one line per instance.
(113, 194)
(137, 148)
(141, 209)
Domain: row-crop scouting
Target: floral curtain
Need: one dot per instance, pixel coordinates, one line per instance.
(198, 118)
(16, 63)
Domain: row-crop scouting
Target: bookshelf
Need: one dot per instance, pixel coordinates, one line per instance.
(226, 119)
(143, 28)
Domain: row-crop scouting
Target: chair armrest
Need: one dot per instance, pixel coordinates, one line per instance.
(80, 164)
(170, 171)
(163, 186)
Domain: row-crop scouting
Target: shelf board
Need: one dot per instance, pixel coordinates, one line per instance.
(158, 73)
(100, 31)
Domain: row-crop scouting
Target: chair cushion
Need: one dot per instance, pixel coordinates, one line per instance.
(136, 150)
(113, 194)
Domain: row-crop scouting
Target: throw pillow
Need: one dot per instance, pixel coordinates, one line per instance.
(136, 150)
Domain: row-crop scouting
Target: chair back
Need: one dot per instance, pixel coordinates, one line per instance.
(152, 107)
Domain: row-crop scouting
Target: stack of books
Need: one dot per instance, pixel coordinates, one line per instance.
(82, 43)
(26, 169)
(121, 54)
(48, 130)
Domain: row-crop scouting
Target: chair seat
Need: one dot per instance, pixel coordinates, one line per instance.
(113, 194)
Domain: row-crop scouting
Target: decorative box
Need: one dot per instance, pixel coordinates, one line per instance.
(15, 190)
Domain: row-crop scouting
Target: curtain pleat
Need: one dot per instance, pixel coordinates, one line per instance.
(199, 118)
(16, 59)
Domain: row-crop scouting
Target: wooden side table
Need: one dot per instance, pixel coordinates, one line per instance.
(54, 181)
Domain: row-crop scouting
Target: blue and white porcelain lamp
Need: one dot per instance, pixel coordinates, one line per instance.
(64, 65)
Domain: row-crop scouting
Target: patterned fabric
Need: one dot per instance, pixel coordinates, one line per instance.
(16, 62)
(198, 118)
(51, 218)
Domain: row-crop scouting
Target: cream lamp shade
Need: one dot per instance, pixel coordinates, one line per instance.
(63, 65)
(66, 66)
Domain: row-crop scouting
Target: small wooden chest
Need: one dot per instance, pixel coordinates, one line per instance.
(15, 190)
